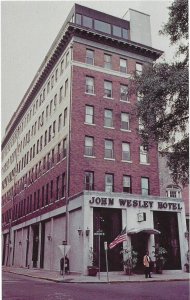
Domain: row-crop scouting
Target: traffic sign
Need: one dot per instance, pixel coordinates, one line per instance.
(99, 233)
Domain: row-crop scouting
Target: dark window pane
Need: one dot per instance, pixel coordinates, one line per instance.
(125, 33)
(117, 31)
(87, 22)
(78, 19)
(102, 26)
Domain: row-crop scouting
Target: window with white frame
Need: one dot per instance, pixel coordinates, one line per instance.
(123, 65)
(107, 89)
(89, 56)
(107, 61)
(66, 87)
(139, 68)
(125, 121)
(109, 153)
(59, 122)
(89, 145)
(108, 118)
(127, 188)
(143, 154)
(173, 191)
(109, 183)
(139, 96)
(89, 181)
(124, 92)
(126, 155)
(89, 85)
(145, 189)
(89, 114)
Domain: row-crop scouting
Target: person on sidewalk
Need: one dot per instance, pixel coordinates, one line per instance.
(146, 263)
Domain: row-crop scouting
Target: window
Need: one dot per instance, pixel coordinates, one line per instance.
(125, 33)
(109, 149)
(123, 65)
(47, 111)
(87, 22)
(102, 26)
(42, 196)
(61, 94)
(47, 193)
(48, 161)
(145, 186)
(56, 75)
(52, 81)
(62, 67)
(44, 94)
(67, 59)
(124, 121)
(58, 152)
(107, 61)
(123, 92)
(54, 129)
(108, 89)
(51, 190)
(64, 147)
(63, 186)
(89, 143)
(126, 152)
(89, 181)
(49, 134)
(127, 184)
(59, 122)
(109, 183)
(48, 87)
(89, 114)
(65, 117)
(51, 105)
(139, 96)
(89, 56)
(52, 156)
(78, 19)
(38, 200)
(141, 126)
(55, 101)
(138, 68)
(89, 85)
(116, 31)
(66, 87)
(57, 187)
(108, 118)
(173, 191)
(45, 138)
(143, 155)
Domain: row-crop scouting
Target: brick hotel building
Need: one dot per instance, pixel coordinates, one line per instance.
(72, 159)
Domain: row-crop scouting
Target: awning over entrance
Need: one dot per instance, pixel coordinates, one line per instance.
(145, 230)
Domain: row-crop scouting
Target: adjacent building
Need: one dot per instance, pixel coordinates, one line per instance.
(72, 159)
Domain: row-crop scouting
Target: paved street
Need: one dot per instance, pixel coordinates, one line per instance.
(18, 287)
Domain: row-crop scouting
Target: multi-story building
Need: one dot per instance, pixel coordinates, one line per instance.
(72, 159)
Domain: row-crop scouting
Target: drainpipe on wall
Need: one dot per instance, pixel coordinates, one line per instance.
(68, 156)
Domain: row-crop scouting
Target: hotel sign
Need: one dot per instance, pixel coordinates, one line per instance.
(106, 201)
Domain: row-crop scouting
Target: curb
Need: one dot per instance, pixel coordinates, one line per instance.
(96, 282)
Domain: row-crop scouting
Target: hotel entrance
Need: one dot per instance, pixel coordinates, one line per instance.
(139, 243)
(109, 220)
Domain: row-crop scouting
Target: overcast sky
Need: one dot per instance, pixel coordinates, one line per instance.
(29, 28)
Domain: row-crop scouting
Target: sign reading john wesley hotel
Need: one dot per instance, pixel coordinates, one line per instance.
(111, 202)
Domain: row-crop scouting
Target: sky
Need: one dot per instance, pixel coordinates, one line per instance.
(28, 29)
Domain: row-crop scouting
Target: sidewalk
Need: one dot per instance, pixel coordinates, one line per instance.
(114, 277)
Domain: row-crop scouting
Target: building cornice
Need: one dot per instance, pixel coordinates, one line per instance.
(54, 54)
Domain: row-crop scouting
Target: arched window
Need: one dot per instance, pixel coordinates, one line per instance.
(173, 191)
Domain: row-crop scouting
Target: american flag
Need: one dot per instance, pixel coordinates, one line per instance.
(119, 239)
